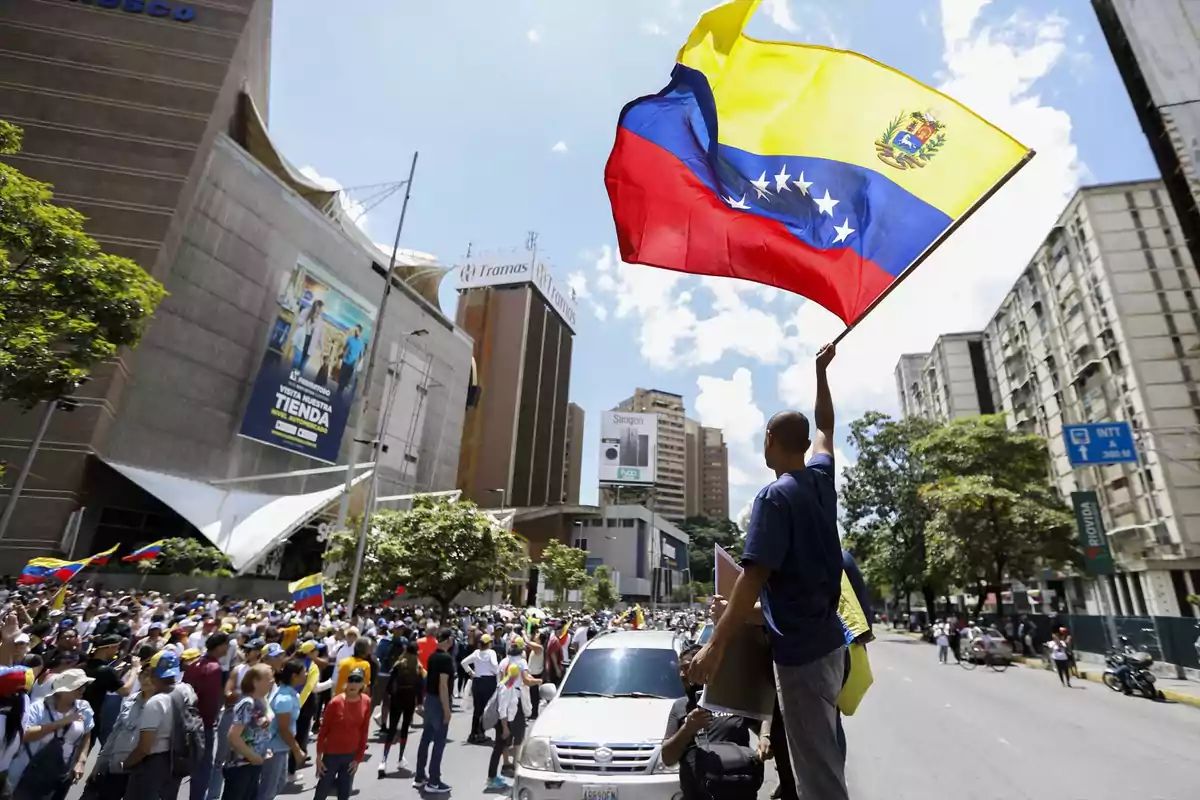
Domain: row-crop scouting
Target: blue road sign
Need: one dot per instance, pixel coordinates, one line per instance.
(1096, 443)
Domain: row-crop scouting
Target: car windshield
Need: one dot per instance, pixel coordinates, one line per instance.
(624, 672)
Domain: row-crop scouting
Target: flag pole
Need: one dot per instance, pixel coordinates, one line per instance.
(1029, 154)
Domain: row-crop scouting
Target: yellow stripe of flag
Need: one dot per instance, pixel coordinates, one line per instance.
(784, 99)
(306, 583)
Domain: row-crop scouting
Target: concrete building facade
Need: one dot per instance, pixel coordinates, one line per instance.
(951, 381)
(706, 466)
(1156, 47)
(631, 540)
(573, 457)
(669, 496)
(141, 122)
(514, 440)
(1104, 325)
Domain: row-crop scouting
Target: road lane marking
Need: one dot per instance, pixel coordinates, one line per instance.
(1002, 740)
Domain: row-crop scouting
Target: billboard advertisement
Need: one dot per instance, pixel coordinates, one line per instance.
(628, 447)
(316, 353)
(506, 272)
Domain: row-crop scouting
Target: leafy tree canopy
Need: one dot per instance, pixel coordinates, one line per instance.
(437, 549)
(601, 594)
(65, 306)
(994, 516)
(563, 567)
(704, 535)
(881, 505)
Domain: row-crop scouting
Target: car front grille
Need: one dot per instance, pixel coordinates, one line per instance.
(591, 757)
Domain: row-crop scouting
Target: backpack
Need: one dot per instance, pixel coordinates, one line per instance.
(187, 736)
(406, 673)
(47, 769)
(491, 711)
(726, 771)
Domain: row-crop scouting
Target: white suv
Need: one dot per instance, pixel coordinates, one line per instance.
(599, 737)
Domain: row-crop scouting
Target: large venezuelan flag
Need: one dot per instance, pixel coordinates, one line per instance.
(39, 570)
(308, 592)
(818, 171)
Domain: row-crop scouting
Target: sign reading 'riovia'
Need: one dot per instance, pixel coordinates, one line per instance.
(152, 8)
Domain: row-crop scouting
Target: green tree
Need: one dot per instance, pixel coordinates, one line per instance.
(994, 515)
(881, 505)
(65, 306)
(437, 549)
(563, 568)
(601, 594)
(704, 534)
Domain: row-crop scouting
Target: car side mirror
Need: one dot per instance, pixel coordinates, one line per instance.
(548, 692)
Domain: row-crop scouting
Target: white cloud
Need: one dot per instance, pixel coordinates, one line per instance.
(781, 14)
(729, 405)
(994, 71)
(579, 284)
(559, 147)
(533, 35)
(671, 333)
(652, 28)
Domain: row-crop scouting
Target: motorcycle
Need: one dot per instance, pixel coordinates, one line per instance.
(1129, 670)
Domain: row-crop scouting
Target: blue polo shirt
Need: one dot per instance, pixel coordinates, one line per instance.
(354, 349)
(793, 530)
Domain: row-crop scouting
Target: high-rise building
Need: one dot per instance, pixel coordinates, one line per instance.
(1156, 46)
(670, 464)
(514, 439)
(714, 488)
(706, 483)
(573, 458)
(1104, 325)
(951, 381)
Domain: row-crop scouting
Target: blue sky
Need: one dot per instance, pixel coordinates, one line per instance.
(513, 107)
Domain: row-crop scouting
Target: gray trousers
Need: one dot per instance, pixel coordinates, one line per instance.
(808, 702)
(152, 780)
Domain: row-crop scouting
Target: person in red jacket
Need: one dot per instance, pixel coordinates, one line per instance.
(342, 741)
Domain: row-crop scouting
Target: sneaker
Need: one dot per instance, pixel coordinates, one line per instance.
(496, 783)
(383, 770)
(404, 764)
(437, 787)
(419, 783)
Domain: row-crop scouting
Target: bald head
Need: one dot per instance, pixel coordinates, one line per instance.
(787, 434)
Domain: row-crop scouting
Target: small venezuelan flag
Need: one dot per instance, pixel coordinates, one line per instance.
(150, 551)
(100, 559)
(814, 170)
(307, 592)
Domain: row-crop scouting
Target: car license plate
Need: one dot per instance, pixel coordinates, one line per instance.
(599, 793)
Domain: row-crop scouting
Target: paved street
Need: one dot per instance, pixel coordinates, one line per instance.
(927, 731)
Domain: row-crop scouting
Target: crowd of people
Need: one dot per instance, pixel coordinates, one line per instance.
(260, 690)
(228, 694)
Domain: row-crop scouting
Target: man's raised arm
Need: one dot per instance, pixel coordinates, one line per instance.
(823, 418)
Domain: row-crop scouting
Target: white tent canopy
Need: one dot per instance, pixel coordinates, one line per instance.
(246, 526)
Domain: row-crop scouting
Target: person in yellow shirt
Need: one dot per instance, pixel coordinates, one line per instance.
(357, 661)
(289, 635)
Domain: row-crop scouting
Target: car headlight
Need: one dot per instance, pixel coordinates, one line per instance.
(537, 754)
(662, 769)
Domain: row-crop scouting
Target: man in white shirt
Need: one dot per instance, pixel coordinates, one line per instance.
(347, 648)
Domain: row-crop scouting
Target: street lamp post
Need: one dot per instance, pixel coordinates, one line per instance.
(364, 403)
(377, 445)
(503, 494)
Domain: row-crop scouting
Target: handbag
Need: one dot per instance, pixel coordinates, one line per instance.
(727, 771)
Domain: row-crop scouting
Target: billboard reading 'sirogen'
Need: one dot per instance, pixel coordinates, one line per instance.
(309, 374)
(628, 448)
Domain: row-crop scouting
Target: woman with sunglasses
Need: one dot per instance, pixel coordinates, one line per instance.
(342, 741)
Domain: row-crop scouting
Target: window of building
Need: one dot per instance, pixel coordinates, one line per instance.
(581, 544)
(626, 523)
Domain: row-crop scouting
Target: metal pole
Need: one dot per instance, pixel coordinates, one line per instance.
(365, 400)
(344, 505)
(15, 494)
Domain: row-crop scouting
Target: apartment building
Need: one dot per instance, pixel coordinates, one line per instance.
(706, 487)
(1104, 325)
(671, 458)
(951, 381)
(573, 457)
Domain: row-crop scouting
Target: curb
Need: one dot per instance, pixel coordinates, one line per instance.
(1088, 675)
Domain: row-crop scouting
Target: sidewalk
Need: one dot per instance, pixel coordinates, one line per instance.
(1175, 690)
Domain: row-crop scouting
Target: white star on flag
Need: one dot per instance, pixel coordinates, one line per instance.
(781, 180)
(802, 184)
(826, 203)
(761, 185)
(843, 231)
(740, 204)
